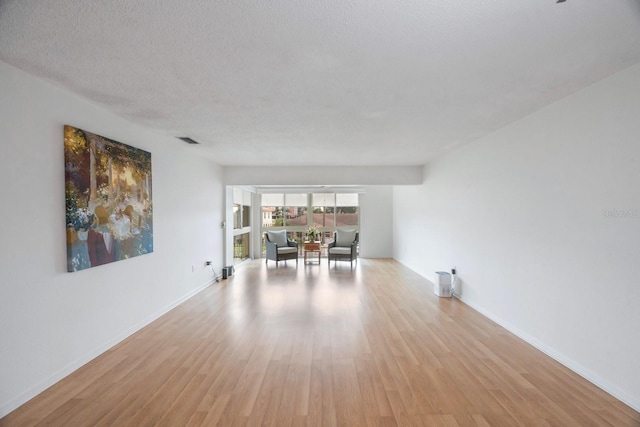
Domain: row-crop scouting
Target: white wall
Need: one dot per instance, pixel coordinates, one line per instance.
(52, 321)
(376, 222)
(523, 214)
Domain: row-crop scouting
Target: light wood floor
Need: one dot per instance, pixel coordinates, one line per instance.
(311, 346)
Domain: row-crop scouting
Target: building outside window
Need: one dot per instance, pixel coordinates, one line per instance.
(272, 210)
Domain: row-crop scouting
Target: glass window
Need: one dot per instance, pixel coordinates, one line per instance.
(299, 237)
(241, 247)
(324, 199)
(237, 220)
(295, 210)
(298, 211)
(241, 208)
(347, 211)
(272, 210)
(246, 216)
(323, 209)
(346, 199)
(323, 216)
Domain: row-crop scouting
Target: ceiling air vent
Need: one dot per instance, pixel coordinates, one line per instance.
(188, 140)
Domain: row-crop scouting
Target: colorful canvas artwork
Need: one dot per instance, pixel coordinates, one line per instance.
(109, 209)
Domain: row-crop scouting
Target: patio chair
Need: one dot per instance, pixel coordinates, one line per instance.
(279, 247)
(344, 246)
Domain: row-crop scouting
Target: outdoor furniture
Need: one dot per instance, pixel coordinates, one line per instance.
(279, 247)
(344, 247)
(311, 248)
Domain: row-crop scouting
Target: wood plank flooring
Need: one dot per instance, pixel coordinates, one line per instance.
(313, 346)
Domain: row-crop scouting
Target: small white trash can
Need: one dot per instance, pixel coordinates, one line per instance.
(442, 287)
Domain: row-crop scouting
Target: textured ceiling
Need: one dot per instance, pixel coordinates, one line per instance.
(344, 82)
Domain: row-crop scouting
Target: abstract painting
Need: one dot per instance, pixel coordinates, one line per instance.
(109, 209)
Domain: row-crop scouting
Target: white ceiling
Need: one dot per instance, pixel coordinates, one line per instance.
(340, 82)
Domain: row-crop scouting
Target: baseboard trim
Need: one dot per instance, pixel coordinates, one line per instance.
(561, 358)
(33, 391)
(585, 373)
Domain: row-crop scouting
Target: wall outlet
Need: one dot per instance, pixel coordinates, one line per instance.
(193, 268)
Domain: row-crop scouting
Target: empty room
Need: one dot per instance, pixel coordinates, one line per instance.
(323, 213)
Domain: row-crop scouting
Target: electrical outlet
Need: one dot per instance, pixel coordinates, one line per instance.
(453, 270)
(193, 268)
(208, 262)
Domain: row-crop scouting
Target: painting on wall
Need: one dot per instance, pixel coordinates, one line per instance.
(109, 209)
